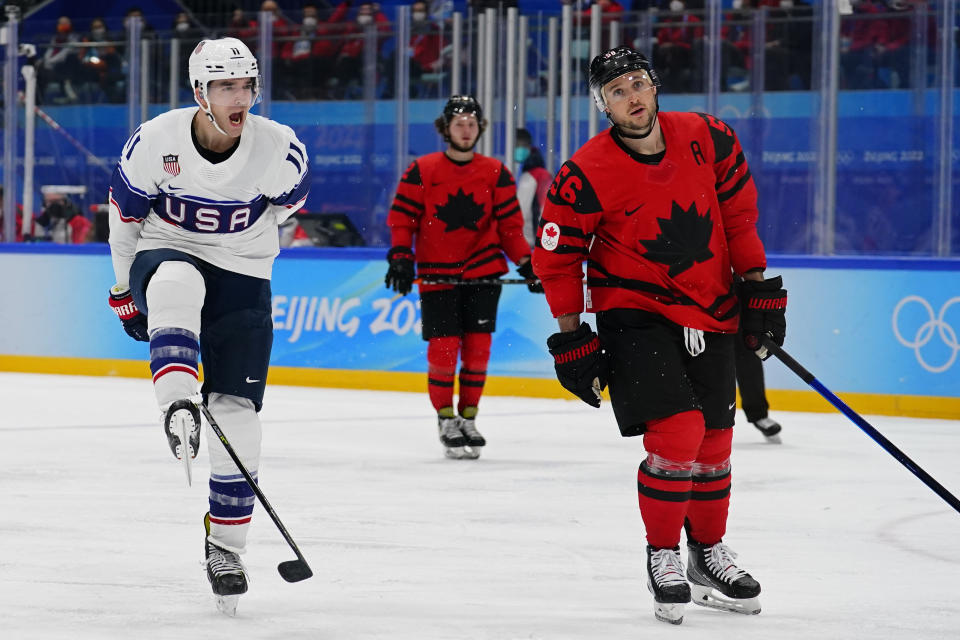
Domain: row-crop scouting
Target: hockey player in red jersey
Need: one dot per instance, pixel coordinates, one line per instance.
(663, 209)
(456, 213)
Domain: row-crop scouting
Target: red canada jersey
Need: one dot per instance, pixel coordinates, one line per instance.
(659, 235)
(464, 216)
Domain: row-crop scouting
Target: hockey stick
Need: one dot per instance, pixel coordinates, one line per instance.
(865, 426)
(290, 570)
(478, 281)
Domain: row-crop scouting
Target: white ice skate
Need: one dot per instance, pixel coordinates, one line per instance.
(451, 438)
(717, 582)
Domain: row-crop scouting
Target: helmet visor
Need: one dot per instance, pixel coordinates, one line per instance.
(623, 88)
(233, 92)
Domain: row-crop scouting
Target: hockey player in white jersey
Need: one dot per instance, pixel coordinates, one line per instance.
(195, 202)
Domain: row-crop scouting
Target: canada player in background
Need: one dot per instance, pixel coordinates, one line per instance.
(455, 214)
(195, 203)
(663, 209)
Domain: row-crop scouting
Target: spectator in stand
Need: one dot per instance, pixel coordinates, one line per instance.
(184, 28)
(101, 68)
(532, 185)
(299, 63)
(675, 33)
(349, 68)
(281, 26)
(60, 65)
(426, 46)
(242, 28)
(860, 38)
(892, 52)
(791, 31)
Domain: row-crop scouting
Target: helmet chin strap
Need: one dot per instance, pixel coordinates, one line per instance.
(206, 110)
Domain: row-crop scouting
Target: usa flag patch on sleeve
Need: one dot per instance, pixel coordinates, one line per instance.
(550, 237)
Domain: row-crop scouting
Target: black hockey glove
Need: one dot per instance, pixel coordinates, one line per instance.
(763, 307)
(526, 271)
(134, 322)
(400, 274)
(580, 363)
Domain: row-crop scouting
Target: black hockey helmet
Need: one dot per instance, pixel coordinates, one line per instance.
(458, 105)
(613, 64)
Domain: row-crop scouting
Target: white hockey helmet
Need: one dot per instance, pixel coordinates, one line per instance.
(221, 60)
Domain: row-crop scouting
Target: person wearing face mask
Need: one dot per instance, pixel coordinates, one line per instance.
(297, 70)
(533, 183)
(349, 67)
(426, 47)
(60, 65)
(101, 67)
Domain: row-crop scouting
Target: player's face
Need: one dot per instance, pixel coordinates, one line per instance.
(632, 102)
(230, 100)
(464, 131)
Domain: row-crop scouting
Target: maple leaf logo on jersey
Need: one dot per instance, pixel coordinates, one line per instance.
(684, 239)
(461, 211)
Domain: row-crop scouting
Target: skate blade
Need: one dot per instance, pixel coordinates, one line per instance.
(227, 605)
(774, 439)
(669, 612)
(455, 453)
(709, 597)
(187, 460)
(471, 453)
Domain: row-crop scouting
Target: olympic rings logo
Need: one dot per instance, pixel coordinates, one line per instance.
(926, 331)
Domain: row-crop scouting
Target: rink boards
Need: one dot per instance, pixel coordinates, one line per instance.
(882, 333)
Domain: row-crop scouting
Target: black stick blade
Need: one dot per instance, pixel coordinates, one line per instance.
(294, 570)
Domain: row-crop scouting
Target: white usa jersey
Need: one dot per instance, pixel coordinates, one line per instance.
(165, 195)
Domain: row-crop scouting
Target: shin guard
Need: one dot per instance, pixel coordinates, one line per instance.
(473, 370)
(441, 366)
(174, 299)
(664, 480)
(231, 498)
(710, 498)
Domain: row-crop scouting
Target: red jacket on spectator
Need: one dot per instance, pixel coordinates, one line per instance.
(353, 48)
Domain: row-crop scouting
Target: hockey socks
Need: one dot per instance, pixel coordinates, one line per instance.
(473, 369)
(441, 366)
(710, 495)
(665, 478)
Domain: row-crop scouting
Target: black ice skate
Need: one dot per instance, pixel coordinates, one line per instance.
(468, 427)
(667, 584)
(770, 429)
(226, 574)
(450, 436)
(181, 423)
(717, 582)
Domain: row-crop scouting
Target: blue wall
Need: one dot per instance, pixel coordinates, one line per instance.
(860, 325)
(885, 180)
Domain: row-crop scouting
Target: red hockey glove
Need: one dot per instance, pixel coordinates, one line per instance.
(400, 273)
(580, 363)
(134, 322)
(763, 307)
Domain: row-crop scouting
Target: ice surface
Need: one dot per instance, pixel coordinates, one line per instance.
(541, 538)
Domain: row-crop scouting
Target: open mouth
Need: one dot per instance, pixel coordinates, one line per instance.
(637, 111)
(236, 118)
